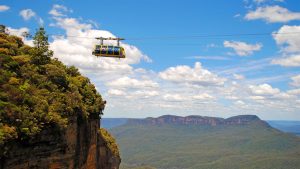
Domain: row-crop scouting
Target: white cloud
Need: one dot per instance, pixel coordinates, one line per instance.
(174, 97)
(237, 15)
(290, 61)
(145, 93)
(126, 82)
(267, 93)
(76, 49)
(27, 14)
(242, 48)
(294, 92)
(83, 35)
(58, 10)
(257, 98)
(264, 1)
(240, 103)
(259, 1)
(209, 57)
(295, 81)
(273, 14)
(116, 92)
(4, 8)
(238, 77)
(263, 90)
(193, 76)
(288, 38)
(203, 96)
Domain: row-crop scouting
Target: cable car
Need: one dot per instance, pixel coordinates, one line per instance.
(109, 50)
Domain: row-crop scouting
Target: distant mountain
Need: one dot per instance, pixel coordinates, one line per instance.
(197, 120)
(196, 142)
(287, 126)
(109, 123)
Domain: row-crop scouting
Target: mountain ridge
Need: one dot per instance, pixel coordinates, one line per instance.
(198, 120)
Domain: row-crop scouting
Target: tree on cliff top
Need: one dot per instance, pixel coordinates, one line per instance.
(41, 54)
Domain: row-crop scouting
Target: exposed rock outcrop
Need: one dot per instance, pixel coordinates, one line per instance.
(198, 120)
(80, 146)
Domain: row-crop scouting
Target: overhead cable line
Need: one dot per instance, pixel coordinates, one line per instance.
(182, 37)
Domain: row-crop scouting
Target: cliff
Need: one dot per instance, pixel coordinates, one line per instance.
(79, 146)
(49, 113)
(198, 120)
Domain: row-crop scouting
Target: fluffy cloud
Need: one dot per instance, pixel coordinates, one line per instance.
(76, 49)
(126, 82)
(194, 76)
(263, 90)
(58, 10)
(265, 93)
(240, 103)
(116, 92)
(4, 8)
(264, 1)
(287, 39)
(203, 96)
(238, 77)
(145, 93)
(242, 48)
(290, 61)
(174, 97)
(295, 81)
(294, 92)
(27, 14)
(273, 14)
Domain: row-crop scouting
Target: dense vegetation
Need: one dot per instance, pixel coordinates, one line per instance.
(110, 142)
(38, 91)
(199, 147)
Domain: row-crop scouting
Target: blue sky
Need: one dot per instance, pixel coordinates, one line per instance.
(183, 57)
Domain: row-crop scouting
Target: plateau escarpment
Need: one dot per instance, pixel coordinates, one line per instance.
(49, 113)
(198, 120)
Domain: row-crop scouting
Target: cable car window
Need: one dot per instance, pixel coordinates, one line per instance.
(116, 51)
(110, 50)
(103, 50)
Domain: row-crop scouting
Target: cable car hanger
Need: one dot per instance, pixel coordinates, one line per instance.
(102, 50)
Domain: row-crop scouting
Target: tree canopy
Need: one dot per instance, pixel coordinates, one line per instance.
(38, 91)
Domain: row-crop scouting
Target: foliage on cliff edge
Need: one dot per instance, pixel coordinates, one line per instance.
(110, 142)
(38, 91)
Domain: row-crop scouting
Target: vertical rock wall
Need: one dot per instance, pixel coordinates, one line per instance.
(80, 146)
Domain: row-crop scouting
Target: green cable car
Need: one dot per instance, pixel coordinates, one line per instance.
(109, 50)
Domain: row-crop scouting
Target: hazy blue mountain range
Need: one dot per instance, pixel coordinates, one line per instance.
(196, 142)
(285, 126)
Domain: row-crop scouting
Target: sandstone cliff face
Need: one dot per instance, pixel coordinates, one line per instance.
(80, 146)
(198, 120)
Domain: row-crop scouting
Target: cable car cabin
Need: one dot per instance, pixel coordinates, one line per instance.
(109, 51)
